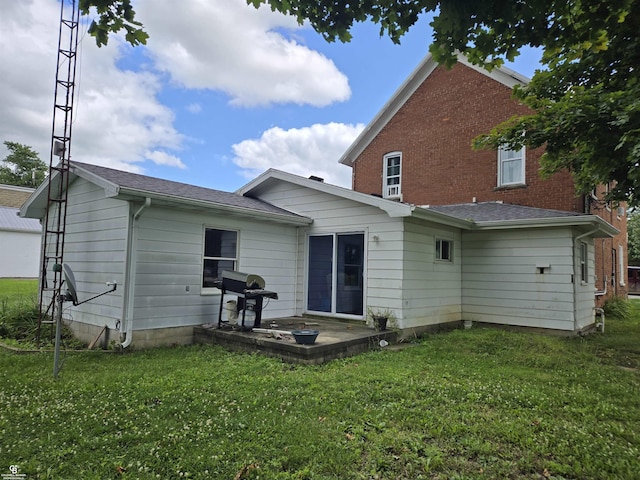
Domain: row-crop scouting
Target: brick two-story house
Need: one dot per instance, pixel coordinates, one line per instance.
(418, 150)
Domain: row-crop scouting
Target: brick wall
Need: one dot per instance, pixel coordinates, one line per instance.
(434, 130)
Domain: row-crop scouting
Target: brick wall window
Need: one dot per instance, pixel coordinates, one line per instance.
(510, 167)
(391, 186)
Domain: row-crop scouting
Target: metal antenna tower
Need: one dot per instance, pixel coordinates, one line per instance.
(51, 276)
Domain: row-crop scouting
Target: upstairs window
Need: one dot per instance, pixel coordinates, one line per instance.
(220, 253)
(510, 167)
(391, 187)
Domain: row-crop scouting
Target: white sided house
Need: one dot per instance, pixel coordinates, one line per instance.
(19, 245)
(19, 237)
(324, 249)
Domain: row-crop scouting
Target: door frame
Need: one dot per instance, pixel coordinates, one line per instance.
(335, 233)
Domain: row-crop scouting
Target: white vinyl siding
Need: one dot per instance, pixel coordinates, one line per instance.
(95, 246)
(431, 290)
(400, 270)
(20, 256)
(502, 284)
(332, 214)
(511, 167)
(169, 266)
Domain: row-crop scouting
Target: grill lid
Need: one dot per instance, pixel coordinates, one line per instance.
(251, 280)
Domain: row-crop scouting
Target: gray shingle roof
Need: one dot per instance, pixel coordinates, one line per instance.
(9, 220)
(143, 183)
(493, 211)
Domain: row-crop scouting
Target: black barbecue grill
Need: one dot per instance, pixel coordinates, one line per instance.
(250, 291)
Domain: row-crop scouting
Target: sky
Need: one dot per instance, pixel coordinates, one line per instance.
(220, 93)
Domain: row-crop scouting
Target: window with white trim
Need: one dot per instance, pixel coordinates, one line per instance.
(584, 257)
(391, 187)
(621, 260)
(510, 167)
(220, 253)
(444, 250)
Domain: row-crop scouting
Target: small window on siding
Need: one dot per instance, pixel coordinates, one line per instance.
(220, 253)
(444, 250)
(584, 271)
(510, 167)
(392, 185)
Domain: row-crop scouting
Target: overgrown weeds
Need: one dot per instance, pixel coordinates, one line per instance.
(18, 317)
(19, 314)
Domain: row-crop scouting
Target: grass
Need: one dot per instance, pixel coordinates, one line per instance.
(469, 404)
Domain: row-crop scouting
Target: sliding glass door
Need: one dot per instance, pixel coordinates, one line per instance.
(336, 273)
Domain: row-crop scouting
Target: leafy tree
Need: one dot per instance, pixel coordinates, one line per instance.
(586, 101)
(22, 167)
(113, 16)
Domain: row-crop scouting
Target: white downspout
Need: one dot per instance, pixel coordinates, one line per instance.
(130, 275)
(576, 240)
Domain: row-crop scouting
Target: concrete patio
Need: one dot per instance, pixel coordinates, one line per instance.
(337, 339)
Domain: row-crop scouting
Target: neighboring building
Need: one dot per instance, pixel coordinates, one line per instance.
(12, 196)
(19, 237)
(417, 150)
(324, 249)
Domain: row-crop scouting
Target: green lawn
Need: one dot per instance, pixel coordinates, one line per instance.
(469, 404)
(12, 289)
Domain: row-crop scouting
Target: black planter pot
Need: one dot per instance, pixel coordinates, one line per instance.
(380, 323)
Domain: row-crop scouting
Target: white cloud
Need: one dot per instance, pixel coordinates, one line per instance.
(119, 121)
(163, 158)
(230, 46)
(313, 150)
(117, 117)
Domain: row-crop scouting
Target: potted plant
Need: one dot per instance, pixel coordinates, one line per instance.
(380, 318)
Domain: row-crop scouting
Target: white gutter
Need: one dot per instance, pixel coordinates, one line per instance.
(576, 240)
(130, 276)
(602, 225)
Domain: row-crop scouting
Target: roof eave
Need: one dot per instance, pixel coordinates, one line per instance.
(425, 213)
(36, 204)
(290, 219)
(604, 229)
(393, 209)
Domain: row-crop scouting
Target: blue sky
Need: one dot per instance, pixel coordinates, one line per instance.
(220, 93)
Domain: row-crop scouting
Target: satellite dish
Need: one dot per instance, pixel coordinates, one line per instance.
(72, 291)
